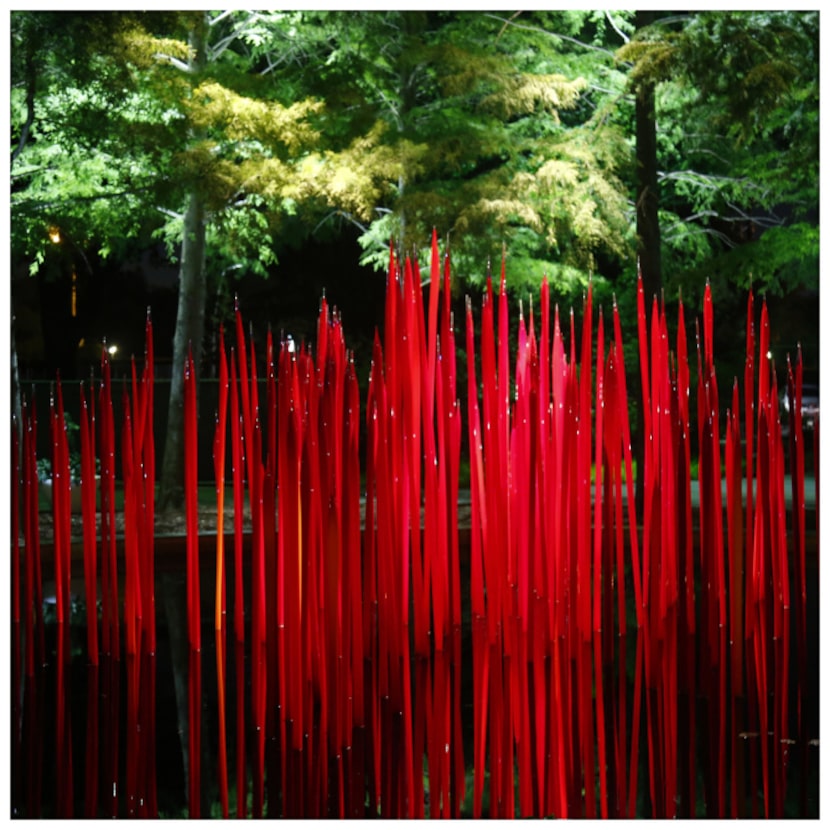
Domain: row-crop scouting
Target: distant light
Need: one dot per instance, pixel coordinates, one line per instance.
(112, 349)
(290, 344)
(769, 355)
(55, 235)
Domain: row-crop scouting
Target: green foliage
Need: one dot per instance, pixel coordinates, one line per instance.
(114, 154)
(507, 129)
(475, 106)
(781, 260)
(737, 143)
(44, 465)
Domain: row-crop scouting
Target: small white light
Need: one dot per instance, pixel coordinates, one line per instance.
(769, 355)
(112, 349)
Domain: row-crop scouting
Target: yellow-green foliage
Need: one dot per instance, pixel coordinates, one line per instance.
(245, 145)
(216, 108)
(135, 45)
(505, 93)
(358, 178)
(354, 179)
(524, 93)
(652, 60)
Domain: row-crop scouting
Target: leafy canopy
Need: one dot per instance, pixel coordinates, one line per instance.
(480, 108)
(120, 134)
(737, 143)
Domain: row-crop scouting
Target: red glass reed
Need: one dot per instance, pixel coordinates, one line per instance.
(798, 522)
(248, 459)
(141, 494)
(148, 785)
(288, 574)
(761, 561)
(351, 692)
(478, 529)
(219, 455)
(237, 463)
(132, 605)
(32, 619)
(89, 484)
(61, 506)
(258, 652)
(734, 504)
(272, 703)
(110, 627)
(749, 552)
(89, 488)
(686, 573)
(191, 490)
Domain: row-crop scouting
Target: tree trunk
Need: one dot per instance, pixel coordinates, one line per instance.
(190, 317)
(189, 325)
(190, 320)
(648, 223)
(648, 200)
(16, 394)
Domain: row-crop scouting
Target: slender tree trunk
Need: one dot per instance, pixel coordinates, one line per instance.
(414, 26)
(189, 325)
(648, 200)
(190, 320)
(16, 395)
(648, 221)
(190, 317)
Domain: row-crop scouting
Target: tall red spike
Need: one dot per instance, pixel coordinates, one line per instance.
(193, 590)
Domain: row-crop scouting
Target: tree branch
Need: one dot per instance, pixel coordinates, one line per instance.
(623, 36)
(222, 45)
(167, 212)
(342, 213)
(26, 171)
(179, 64)
(767, 221)
(220, 17)
(670, 236)
(506, 24)
(44, 203)
(716, 183)
(538, 30)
